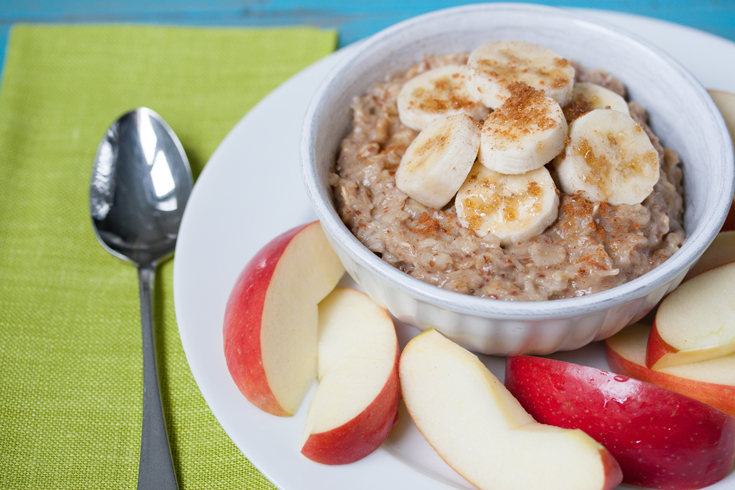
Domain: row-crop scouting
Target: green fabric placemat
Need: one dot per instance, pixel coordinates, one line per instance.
(70, 339)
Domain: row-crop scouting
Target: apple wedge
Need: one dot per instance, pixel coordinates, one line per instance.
(720, 252)
(725, 102)
(270, 327)
(711, 382)
(696, 322)
(356, 404)
(481, 431)
(660, 438)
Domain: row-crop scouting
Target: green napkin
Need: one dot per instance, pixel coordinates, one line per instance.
(70, 340)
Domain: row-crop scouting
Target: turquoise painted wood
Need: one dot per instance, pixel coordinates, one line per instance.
(355, 19)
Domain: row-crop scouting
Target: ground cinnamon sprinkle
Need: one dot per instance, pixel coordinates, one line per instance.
(524, 109)
(600, 167)
(572, 209)
(445, 96)
(600, 234)
(578, 107)
(435, 143)
(619, 228)
(658, 257)
(427, 226)
(559, 82)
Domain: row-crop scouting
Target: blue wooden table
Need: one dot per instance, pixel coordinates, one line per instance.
(354, 19)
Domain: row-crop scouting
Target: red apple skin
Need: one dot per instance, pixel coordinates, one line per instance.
(613, 471)
(242, 324)
(719, 396)
(363, 434)
(657, 347)
(661, 439)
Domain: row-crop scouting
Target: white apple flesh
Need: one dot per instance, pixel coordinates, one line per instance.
(711, 382)
(270, 327)
(696, 322)
(720, 252)
(481, 431)
(356, 403)
(725, 102)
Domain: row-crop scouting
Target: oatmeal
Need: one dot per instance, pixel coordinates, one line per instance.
(589, 247)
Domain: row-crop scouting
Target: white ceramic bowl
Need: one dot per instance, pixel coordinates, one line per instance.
(681, 113)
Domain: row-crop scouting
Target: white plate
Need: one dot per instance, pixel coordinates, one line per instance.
(249, 192)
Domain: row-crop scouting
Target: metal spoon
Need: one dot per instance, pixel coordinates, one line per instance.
(140, 184)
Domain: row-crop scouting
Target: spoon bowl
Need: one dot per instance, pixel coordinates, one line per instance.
(141, 182)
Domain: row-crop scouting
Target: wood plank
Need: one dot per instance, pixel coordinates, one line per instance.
(354, 19)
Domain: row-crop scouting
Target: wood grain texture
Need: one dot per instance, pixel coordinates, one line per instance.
(354, 19)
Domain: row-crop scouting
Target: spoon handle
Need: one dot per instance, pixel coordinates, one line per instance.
(156, 469)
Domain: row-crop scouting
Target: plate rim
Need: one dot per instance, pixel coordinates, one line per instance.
(381, 456)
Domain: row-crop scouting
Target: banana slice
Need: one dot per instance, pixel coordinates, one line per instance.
(523, 134)
(438, 160)
(592, 96)
(435, 92)
(494, 66)
(608, 158)
(511, 207)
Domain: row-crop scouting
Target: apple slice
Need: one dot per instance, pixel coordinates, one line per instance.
(356, 404)
(481, 431)
(711, 382)
(660, 438)
(720, 252)
(696, 322)
(725, 102)
(270, 327)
